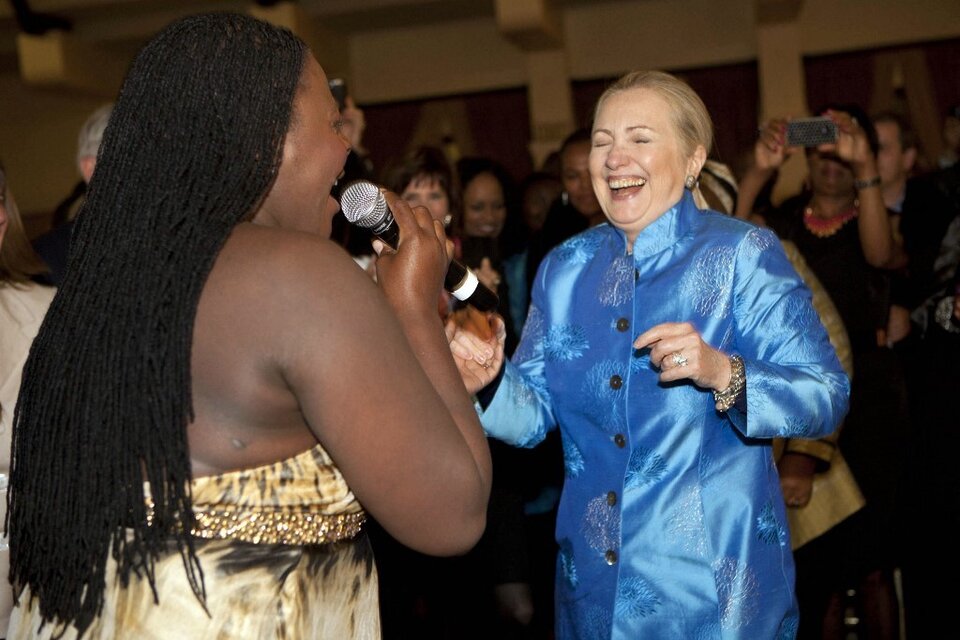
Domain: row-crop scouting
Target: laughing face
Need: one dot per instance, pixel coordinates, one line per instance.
(637, 164)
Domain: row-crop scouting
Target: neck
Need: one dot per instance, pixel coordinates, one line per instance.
(830, 206)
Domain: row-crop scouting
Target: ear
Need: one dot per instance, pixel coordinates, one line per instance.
(696, 161)
(87, 164)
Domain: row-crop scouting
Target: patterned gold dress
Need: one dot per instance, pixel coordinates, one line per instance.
(283, 557)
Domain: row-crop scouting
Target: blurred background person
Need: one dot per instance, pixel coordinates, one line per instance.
(492, 231)
(356, 240)
(54, 245)
(920, 336)
(491, 228)
(844, 232)
(425, 177)
(538, 191)
(921, 215)
(951, 138)
(23, 304)
(576, 210)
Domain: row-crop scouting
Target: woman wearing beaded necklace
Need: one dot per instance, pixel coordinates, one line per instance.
(843, 230)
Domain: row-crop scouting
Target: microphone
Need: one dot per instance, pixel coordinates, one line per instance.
(363, 204)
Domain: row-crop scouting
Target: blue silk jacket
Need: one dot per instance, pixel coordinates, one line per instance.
(671, 523)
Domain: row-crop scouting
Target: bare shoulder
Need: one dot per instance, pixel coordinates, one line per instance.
(258, 251)
(277, 269)
(278, 286)
(274, 300)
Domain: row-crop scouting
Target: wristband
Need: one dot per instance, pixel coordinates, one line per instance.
(866, 184)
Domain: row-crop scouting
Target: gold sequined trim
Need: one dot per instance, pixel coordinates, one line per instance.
(275, 527)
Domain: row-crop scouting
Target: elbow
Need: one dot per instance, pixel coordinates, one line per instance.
(831, 402)
(470, 523)
(455, 529)
(459, 538)
(888, 256)
(466, 538)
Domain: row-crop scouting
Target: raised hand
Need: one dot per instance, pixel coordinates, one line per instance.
(677, 349)
(477, 344)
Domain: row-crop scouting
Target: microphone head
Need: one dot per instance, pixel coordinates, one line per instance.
(363, 204)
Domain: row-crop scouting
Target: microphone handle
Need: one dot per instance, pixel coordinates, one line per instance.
(464, 285)
(460, 281)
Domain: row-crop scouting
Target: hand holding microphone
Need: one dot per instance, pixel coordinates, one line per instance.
(364, 205)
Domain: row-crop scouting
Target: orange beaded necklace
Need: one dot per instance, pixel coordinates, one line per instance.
(826, 227)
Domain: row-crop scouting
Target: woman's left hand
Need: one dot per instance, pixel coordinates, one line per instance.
(852, 144)
(677, 349)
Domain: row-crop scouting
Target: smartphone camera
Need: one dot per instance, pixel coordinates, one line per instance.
(811, 132)
(338, 87)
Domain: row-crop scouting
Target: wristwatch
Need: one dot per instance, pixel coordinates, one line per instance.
(860, 185)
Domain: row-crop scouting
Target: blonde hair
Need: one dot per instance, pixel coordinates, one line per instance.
(18, 262)
(688, 113)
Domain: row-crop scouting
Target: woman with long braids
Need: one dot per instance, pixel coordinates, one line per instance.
(218, 394)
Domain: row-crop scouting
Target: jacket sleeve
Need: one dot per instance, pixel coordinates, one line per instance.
(796, 387)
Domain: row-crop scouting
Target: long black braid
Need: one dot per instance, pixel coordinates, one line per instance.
(193, 145)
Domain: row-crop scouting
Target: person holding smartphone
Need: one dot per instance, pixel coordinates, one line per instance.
(843, 231)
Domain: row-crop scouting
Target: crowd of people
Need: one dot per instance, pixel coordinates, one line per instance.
(697, 412)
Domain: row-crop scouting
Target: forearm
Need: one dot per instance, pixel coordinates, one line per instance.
(875, 230)
(876, 236)
(517, 414)
(429, 343)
